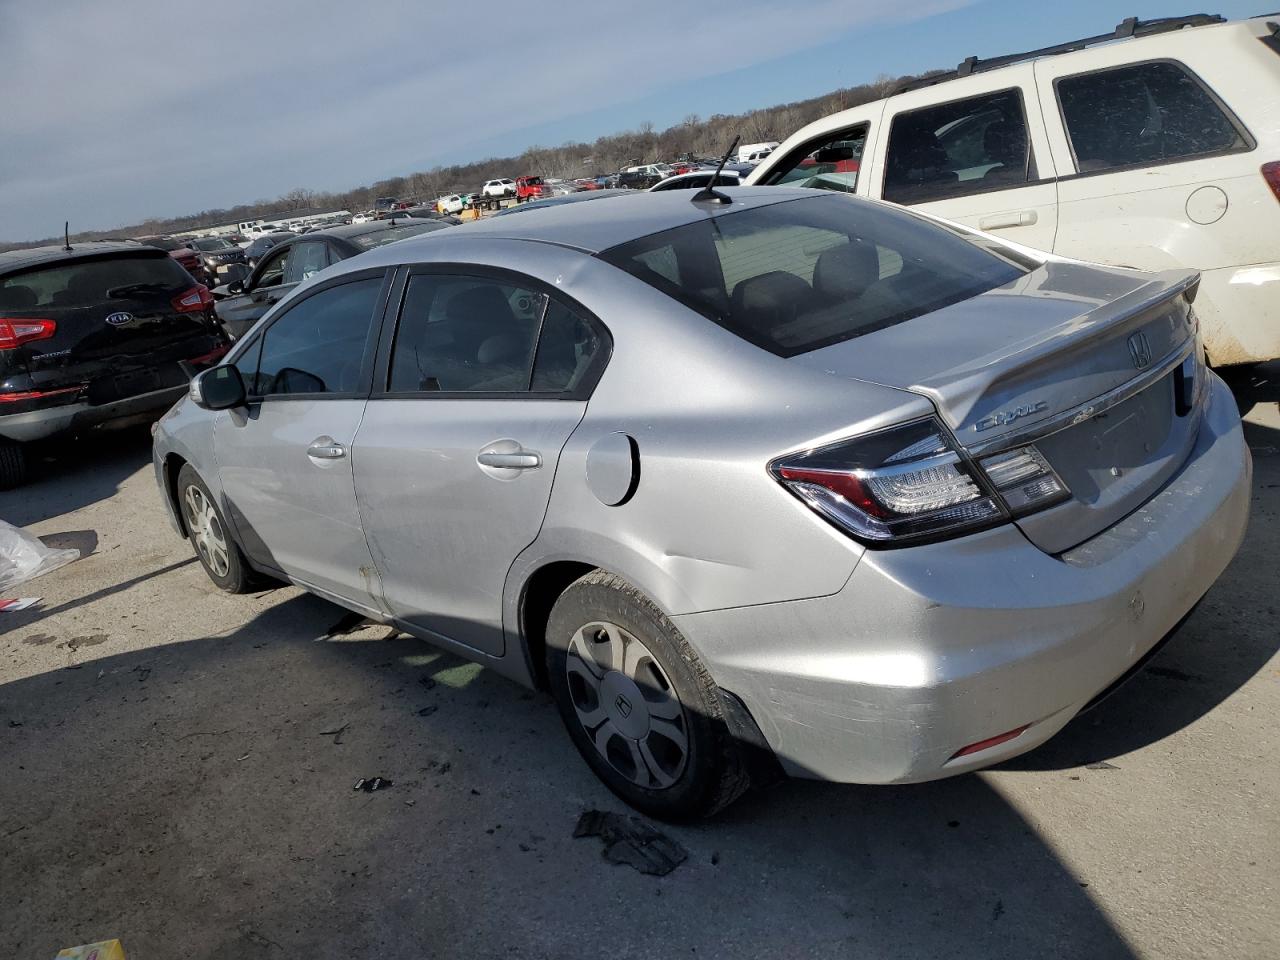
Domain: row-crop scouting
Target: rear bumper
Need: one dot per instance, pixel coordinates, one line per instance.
(1239, 310)
(38, 424)
(929, 649)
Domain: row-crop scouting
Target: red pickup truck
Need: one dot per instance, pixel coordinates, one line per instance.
(531, 188)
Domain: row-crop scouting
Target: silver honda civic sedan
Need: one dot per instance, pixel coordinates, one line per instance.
(765, 480)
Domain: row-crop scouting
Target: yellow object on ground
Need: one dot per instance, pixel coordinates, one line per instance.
(106, 950)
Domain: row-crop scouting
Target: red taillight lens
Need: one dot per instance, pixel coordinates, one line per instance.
(895, 486)
(1271, 174)
(196, 300)
(15, 331)
(990, 742)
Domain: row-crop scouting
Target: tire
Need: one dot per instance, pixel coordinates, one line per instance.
(665, 748)
(13, 464)
(215, 548)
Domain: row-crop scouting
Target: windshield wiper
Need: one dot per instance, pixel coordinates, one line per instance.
(128, 288)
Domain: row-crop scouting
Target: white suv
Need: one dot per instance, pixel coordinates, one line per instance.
(499, 188)
(1156, 146)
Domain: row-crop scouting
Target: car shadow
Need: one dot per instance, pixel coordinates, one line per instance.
(202, 793)
(69, 472)
(1211, 657)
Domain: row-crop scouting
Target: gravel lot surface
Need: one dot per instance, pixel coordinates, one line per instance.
(176, 769)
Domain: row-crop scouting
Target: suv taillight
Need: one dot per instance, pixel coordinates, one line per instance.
(1271, 174)
(196, 300)
(911, 483)
(15, 331)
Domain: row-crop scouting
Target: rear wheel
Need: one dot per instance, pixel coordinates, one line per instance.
(639, 705)
(13, 464)
(207, 530)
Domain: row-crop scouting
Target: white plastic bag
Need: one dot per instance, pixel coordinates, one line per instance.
(22, 556)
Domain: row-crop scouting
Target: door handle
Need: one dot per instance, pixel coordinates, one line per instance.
(1023, 218)
(520, 460)
(326, 448)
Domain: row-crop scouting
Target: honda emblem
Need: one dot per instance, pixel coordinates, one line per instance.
(1139, 350)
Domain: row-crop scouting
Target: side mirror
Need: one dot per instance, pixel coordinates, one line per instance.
(235, 288)
(221, 388)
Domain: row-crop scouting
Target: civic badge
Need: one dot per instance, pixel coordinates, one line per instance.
(1139, 350)
(119, 319)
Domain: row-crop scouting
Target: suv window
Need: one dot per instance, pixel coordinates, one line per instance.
(795, 276)
(829, 164)
(318, 345)
(1144, 113)
(479, 335)
(85, 284)
(966, 146)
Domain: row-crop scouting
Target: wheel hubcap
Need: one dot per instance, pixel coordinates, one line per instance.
(206, 531)
(627, 705)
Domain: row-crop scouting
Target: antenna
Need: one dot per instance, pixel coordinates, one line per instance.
(66, 234)
(709, 193)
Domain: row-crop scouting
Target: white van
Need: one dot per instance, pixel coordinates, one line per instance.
(1156, 146)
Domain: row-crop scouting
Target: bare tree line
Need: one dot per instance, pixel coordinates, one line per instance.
(572, 160)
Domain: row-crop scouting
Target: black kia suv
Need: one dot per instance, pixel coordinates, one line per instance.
(105, 332)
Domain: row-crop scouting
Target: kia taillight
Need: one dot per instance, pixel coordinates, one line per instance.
(911, 483)
(15, 331)
(1271, 174)
(196, 300)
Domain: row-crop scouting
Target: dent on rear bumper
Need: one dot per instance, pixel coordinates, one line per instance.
(932, 648)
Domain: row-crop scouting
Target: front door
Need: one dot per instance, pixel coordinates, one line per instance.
(285, 461)
(980, 157)
(455, 458)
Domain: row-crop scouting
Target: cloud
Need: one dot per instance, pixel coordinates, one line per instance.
(118, 111)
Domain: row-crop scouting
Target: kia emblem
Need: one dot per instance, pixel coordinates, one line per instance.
(1139, 350)
(119, 319)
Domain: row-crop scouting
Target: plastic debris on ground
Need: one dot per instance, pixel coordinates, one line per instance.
(17, 603)
(106, 950)
(632, 841)
(370, 784)
(23, 556)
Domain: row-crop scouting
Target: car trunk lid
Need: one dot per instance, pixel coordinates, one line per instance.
(119, 331)
(1086, 363)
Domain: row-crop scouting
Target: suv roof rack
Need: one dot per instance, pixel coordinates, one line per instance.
(1131, 27)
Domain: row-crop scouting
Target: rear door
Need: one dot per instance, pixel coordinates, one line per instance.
(121, 324)
(975, 151)
(285, 460)
(486, 379)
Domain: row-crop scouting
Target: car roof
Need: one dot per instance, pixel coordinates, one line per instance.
(607, 221)
(15, 260)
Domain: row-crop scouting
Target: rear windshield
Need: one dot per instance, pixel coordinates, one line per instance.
(87, 283)
(796, 276)
(392, 234)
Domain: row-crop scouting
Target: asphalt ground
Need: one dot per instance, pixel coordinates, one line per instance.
(177, 770)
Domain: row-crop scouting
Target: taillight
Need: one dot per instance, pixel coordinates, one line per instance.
(1271, 174)
(14, 332)
(196, 300)
(1024, 480)
(900, 485)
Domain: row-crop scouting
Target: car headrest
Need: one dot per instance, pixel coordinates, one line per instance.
(504, 348)
(479, 313)
(845, 272)
(19, 297)
(769, 300)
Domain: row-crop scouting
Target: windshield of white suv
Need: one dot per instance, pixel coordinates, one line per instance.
(803, 274)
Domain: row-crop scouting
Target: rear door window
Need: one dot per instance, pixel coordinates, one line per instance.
(91, 283)
(1144, 113)
(318, 345)
(796, 276)
(962, 147)
(479, 335)
(306, 260)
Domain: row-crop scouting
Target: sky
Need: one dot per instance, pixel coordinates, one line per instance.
(116, 112)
